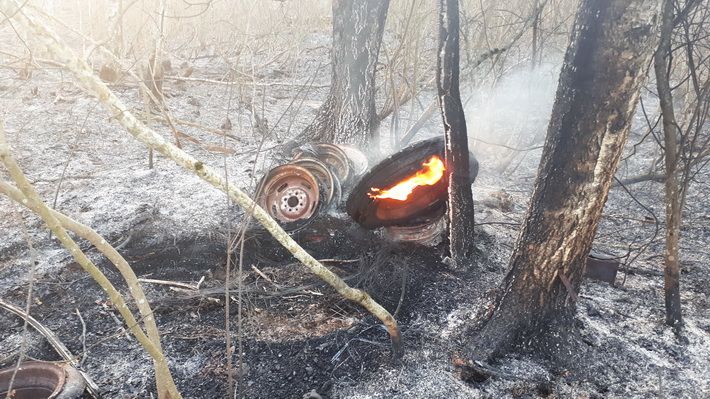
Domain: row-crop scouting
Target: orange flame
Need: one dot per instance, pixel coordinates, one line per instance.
(432, 172)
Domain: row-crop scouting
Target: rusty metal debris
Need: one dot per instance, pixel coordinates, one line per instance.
(358, 160)
(61, 349)
(602, 269)
(39, 380)
(328, 182)
(312, 182)
(427, 233)
(330, 154)
(289, 193)
(320, 174)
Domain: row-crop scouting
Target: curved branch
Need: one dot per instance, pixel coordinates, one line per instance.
(87, 80)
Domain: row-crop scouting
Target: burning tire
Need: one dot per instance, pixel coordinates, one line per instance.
(425, 198)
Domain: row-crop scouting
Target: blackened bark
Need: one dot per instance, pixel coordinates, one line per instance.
(611, 43)
(460, 205)
(661, 65)
(348, 115)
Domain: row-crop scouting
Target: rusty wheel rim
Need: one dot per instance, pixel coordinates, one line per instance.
(289, 193)
(324, 176)
(358, 160)
(333, 157)
(35, 378)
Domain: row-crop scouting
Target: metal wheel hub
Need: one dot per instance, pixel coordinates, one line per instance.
(328, 183)
(289, 193)
(293, 202)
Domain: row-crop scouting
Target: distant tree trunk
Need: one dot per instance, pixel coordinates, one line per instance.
(460, 211)
(611, 43)
(534, 62)
(348, 114)
(661, 65)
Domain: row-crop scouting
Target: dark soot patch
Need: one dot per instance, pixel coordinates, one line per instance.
(178, 260)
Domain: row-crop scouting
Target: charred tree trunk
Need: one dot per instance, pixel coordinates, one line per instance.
(661, 65)
(460, 205)
(611, 43)
(348, 115)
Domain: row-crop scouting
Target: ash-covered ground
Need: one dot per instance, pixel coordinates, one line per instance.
(297, 337)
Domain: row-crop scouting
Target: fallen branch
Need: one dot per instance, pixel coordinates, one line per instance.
(33, 201)
(178, 284)
(257, 292)
(475, 371)
(110, 253)
(423, 119)
(238, 83)
(87, 80)
(657, 177)
(516, 149)
(217, 132)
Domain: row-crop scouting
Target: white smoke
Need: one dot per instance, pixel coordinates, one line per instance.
(514, 111)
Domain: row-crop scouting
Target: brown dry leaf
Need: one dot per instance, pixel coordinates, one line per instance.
(219, 149)
(187, 137)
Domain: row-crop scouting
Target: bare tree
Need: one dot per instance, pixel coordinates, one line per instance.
(611, 43)
(348, 114)
(686, 144)
(460, 210)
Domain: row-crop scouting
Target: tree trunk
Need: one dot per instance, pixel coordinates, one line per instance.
(661, 65)
(611, 43)
(348, 115)
(460, 206)
(536, 35)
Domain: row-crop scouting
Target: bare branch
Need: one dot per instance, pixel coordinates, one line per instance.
(87, 80)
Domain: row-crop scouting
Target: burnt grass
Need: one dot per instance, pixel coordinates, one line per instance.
(306, 356)
(297, 335)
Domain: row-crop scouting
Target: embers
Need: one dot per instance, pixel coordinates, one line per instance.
(406, 193)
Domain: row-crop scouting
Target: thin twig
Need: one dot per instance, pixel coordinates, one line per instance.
(87, 79)
(83, 337)
(28, 304)
(186, 286)
(33, 201)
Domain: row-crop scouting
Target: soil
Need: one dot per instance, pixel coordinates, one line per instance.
(297, 337)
